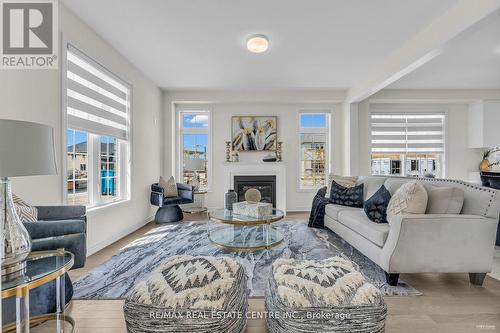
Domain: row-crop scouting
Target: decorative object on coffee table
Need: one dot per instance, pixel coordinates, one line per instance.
(229, 199)
(253, 195)
(186, 291)
(332, 289)
(26, 149)
(228, 151)
(253, 209)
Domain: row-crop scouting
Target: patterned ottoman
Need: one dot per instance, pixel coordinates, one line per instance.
(322, 296)
(190, 294)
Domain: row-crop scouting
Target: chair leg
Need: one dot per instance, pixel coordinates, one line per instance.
(392, 279)
(477, 279)
(167, 214)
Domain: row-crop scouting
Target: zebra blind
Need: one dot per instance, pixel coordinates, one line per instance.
(97, 101)
(404, 133)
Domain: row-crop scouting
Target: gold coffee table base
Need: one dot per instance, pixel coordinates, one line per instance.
(38, 320)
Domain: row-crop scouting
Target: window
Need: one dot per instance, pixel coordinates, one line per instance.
(314, 137)
(405, 144)
(194, 140)
(97, 135)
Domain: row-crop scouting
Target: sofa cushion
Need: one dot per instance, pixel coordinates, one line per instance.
(393, 184)
(444, 200)
(410, 198)
(357, 221)
(376, 207)
(371, 184)
(44, 229)
(346, 196)
(333, 210)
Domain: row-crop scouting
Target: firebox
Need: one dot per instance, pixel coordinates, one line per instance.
(265, 184)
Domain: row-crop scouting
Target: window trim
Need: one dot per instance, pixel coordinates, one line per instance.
(414, 109)
(329, 141)
(181, 109)
(126, 160)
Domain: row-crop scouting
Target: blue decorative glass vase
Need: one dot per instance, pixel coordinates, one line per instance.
(230, 198)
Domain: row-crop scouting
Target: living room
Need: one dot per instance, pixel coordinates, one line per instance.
(326, 167)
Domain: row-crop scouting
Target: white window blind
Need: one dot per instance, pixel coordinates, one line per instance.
(404, 133)
(97, 100)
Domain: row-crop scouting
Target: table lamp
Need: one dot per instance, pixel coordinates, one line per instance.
(194, 165)
(26, 149)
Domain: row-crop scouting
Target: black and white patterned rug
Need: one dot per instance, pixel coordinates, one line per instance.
(115, 278)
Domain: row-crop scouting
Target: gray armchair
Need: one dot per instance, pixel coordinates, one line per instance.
(60, 227)
(169, 210)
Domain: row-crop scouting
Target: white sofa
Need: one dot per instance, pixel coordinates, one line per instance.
(418, 243)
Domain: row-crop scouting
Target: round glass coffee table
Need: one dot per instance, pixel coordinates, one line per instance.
(243, 233)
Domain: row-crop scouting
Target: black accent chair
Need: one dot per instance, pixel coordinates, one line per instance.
(169, 210)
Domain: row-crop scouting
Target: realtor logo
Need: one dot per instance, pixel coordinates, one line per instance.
(29, 34)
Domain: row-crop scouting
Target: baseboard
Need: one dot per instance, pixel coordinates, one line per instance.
(101, 245)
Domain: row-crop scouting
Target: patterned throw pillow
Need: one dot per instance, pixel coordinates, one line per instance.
(25, 211)
(410, 198)
(347, 196)
(345, 181)
(169, 187)
(376, 207)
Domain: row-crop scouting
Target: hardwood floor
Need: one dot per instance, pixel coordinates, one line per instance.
(448, 304)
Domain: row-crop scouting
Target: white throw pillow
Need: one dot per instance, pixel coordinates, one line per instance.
(341, 180)
(444, 200)
(169, 186)
(410, 198)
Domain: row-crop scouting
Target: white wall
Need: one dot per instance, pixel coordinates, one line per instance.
(35, 95)
(284, 105)
(460, 159)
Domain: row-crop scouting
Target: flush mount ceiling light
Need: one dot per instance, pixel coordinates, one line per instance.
(257, 43)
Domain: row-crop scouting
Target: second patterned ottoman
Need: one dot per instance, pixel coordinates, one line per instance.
(322, 296)
(190, 294)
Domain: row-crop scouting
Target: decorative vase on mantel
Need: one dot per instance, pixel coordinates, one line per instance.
(230, 198)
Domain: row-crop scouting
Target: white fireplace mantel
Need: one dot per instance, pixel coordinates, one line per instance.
(277, 169)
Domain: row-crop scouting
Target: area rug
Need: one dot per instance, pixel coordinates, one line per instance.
(115, 278)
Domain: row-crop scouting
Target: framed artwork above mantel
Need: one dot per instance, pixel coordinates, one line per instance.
(254, 133)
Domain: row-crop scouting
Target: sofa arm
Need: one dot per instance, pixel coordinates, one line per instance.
(61, 212)
(419, 243)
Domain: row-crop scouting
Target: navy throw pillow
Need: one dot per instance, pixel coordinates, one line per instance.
(376, 207)
(346, 196)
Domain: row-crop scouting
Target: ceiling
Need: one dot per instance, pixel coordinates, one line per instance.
(199, 44)
(472, 61)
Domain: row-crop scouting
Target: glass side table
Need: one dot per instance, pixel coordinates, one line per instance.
(41, 267)
(199, 203)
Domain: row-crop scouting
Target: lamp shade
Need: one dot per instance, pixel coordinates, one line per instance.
(26, 149)
(194, 164)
